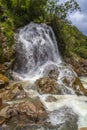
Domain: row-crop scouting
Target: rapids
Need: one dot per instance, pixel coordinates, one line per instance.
(36, 54)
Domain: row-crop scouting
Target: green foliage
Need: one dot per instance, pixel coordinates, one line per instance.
(54, 9)
(70, 39)
(17, 13)
(81, 51)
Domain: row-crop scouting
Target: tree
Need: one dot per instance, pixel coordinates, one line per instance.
(43, 9)
(54, 9)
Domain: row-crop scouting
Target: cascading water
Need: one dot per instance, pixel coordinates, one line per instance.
(36, 46)
(36, 55)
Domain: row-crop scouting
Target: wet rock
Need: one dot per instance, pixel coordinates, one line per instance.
(15, 76)
(64, 119)
(53, 74)
(3, 81)
(51, 99)
(0, 102)
(2, 120)
(47, 85)
(78, 87)
(78, 64)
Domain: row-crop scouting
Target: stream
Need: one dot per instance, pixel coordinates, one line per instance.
(43, 74)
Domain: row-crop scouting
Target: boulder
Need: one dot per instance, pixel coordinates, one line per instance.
(46, 85)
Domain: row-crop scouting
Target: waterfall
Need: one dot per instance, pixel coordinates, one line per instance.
(36, 56)
(36, 46)
(37, 53)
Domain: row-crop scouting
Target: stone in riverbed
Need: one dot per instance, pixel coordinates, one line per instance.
(76, 85)
(51, 99)
(63, 119)
(46, 85)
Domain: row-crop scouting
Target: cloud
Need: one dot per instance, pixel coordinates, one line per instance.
(79, 19)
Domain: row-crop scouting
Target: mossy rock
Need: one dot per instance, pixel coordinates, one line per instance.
(3, 81)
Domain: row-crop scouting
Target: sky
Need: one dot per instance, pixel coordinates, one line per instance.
(78, 18)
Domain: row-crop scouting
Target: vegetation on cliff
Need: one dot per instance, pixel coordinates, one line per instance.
(17, 13)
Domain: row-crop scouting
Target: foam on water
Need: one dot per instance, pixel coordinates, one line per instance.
(36, 53)
(77, 104)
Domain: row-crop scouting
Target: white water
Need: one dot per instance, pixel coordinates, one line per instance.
(36, 55)
(78, 105)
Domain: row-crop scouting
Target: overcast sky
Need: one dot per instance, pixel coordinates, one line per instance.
(80, 18)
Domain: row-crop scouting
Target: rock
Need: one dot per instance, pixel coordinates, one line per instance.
(64, 119)
(53, 74)
(83, 128)
(51, 99)
(78, 87)
(47, 85)
(0, 102)
(3, 111)
(78, 64)
(30, 111)
(14, 91)
(2, 120)
(15, 76)
(3, 81)
(51, 71)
